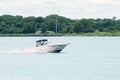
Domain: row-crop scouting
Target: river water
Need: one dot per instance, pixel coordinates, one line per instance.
(86, 58)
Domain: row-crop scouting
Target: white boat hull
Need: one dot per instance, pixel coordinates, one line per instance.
(57, 48)
(51, 48)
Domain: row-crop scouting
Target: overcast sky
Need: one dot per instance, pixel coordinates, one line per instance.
(74, 9)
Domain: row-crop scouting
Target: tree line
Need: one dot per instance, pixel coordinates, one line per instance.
(24, 25)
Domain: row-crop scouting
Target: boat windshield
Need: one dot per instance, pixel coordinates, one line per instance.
(41, 42)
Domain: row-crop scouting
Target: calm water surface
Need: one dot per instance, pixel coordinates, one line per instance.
(86, 58)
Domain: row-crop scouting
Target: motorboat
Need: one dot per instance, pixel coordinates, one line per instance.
(45, 46)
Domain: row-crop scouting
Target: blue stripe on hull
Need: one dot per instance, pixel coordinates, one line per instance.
(55, 51)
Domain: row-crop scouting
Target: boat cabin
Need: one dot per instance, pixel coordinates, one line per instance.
(41, 42)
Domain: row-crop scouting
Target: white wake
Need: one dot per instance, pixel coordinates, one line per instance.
(26, 51)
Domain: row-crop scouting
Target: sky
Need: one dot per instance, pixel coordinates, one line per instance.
(74, 9)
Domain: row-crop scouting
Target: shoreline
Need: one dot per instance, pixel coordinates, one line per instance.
(67, 34)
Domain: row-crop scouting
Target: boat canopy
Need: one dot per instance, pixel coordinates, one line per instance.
(41, 42)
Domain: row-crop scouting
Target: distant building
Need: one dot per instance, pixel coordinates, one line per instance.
(50, 32)
(38, 32)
